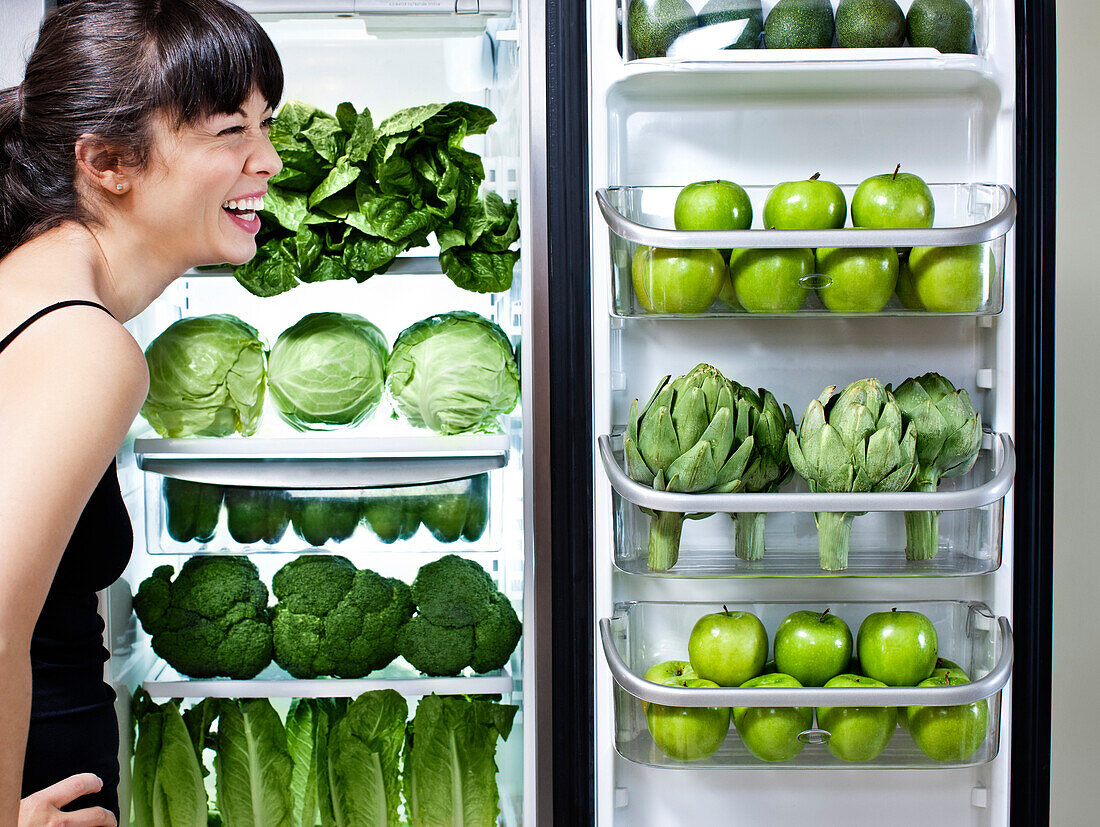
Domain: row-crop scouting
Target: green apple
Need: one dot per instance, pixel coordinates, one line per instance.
(712, 205)
(861, 279)
(812, 647)
(726, 295)
(907, 294)
(945, 667)
(950, 279)
(897, 201)
(669, 670)
(769, 281)
(688, 733)
(948, 733)
(677, 281)
(857, 733)
(897, 648)
(728, 647)
(805, 205)
(771, 733)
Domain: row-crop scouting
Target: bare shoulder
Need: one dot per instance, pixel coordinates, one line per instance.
(78, 351)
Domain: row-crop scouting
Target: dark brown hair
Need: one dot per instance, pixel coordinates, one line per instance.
(104, 68)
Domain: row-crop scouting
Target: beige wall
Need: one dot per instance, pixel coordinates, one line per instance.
(1076, 735)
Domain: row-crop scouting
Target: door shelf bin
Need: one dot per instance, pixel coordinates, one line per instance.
(457, 516)
(966, 214)
(970, 524)
(709, 44)
(640, 635)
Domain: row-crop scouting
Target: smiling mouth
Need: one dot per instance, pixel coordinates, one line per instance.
(242, 212)
(244, 209)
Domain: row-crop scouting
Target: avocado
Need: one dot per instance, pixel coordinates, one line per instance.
(799, 24)
(392, 518)
(192, 510)
(256, 514)
(444, 515)
(477, 517)
(944, 25)
(320, 519)
(652, 25)
(723, 11)
(864, 24)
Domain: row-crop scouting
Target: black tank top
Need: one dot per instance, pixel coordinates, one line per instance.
(67, 652)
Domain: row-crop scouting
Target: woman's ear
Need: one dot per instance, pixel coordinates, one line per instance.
(100, 166)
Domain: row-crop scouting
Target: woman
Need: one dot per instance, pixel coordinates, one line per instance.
(136, 125)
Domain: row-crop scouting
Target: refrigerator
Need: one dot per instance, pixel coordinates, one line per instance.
(977, 127)
(387, 55)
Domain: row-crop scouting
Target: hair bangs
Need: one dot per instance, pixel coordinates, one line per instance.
(211, 55)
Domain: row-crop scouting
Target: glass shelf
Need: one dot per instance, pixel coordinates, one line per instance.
(972, 216)
(459, 516)
(165, 682)
(640, 635)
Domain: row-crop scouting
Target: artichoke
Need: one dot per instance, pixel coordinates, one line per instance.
(949, 434)
(849, 443)
(759, 414)
(685, 439)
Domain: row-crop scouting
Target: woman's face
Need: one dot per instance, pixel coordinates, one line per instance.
(198, 197)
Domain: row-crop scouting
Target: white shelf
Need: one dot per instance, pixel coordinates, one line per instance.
(165, 682)
(324, 462)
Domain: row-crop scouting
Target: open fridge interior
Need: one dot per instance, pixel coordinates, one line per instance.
(759, 117)
(381, 57)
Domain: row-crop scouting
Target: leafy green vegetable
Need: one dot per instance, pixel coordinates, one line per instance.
(252, 765)
(450, 761)
(328, 369)
(454, 373)
(302, 721)
(166, 785)
(352, 196)
(364, 757)
(206, 378)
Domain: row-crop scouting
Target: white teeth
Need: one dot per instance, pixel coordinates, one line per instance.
(247, 216)
(252, 204)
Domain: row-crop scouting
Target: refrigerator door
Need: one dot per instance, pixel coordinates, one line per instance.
(759, 117)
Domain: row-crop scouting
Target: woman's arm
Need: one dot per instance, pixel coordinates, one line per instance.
(70, 386)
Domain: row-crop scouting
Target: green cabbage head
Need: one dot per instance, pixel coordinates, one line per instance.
(454, 373)
(328, 371)
(206, 378)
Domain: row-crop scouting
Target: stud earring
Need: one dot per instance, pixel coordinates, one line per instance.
(118, 187)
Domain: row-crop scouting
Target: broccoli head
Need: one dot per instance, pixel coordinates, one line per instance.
(496, 636)
(333, 619)
(436, 650)
(212, 620)
(453, 591)
(462, 620)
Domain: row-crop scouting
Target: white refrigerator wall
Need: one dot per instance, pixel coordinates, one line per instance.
(760, 123)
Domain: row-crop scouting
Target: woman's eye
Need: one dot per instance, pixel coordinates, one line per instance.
(233, 130)
(267, 123)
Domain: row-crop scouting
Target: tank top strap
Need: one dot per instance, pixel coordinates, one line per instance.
(7, 340)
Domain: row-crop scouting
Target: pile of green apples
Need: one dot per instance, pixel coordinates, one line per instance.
(812, 648)
(847, 279)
